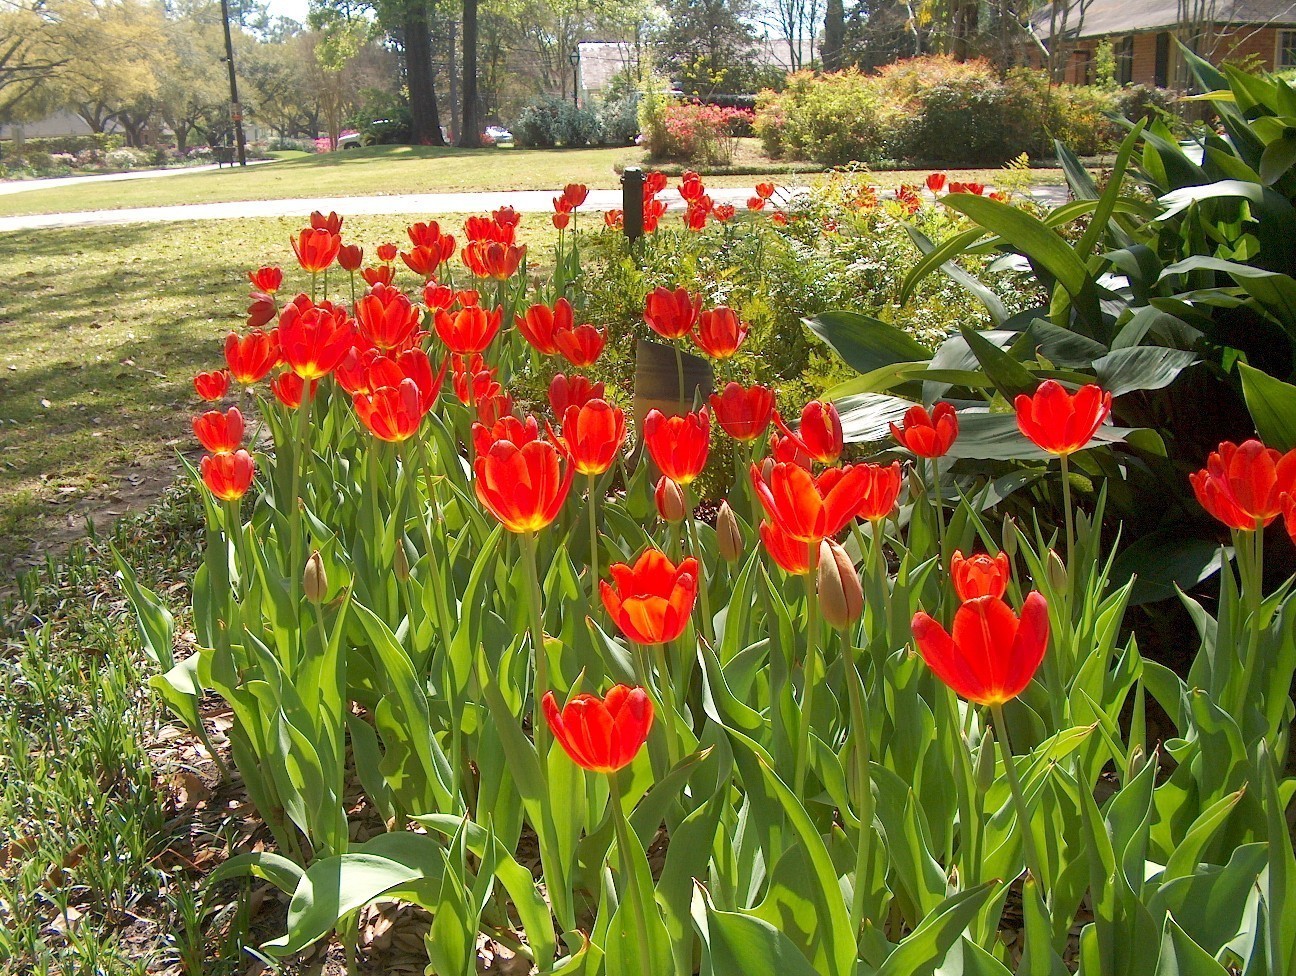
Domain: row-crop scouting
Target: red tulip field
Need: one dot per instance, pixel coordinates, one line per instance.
(964, 649)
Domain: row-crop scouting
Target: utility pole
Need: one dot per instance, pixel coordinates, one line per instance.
(236, 110)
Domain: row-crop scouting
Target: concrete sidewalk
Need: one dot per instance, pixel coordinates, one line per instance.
(9, 187)
(414, 204)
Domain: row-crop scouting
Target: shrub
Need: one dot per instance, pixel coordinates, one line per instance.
(126, 158)
(832, 119)
(693, 132)
(619, 120)
(551, 121)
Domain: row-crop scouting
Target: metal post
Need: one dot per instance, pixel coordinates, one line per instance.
(574, 58)
(236, 110)
(632, 184)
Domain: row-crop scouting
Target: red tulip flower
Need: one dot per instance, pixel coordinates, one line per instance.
(392, 413)
(592, 436)
(654, 210)
(506, 217)
(382, 274)
(724, 212)
(387, 253)
(569, 391)
(581, 346)
(601, 735)
(879, 491)
(755, 204)
(519, 431)
(469, 330)
(473, 381)
(671, 314)
(251, 357)
(561, 219)
(316, 249)
(438, 298)
(936, 182)
(614, 219)
(1289, 515)
(794, 556)
(422, 234)
(494, 406)
(212, 385)
(575, 194)
(927, 435)
(764, 190)
(992, 655)
(268, 279)
(350, 257)
(678, 445)
(820, 434)
(691, 187)
(387, 318)
(719, 332)
(288, 388)
(788, 450)
(652, 600)
(807, 507)
(1059, 422)
(539, 323)
(743, 414)
(491, 259)
(423, 261)
(524, 487)
(1243, 485)
(228, 476)
(261, 309)
(332, 223)
(313, 339)
(219, 433)
(980, 574)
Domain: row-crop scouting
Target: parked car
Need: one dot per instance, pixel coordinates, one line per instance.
(497, 134)
(351, 140)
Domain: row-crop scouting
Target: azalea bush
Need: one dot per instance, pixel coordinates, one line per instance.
(865, 723)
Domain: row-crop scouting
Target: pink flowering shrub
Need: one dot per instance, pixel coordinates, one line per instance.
(694, 133)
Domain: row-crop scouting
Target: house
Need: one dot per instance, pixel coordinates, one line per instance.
(1143, 34)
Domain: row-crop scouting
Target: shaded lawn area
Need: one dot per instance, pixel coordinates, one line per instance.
(386, 170)
(104, 329)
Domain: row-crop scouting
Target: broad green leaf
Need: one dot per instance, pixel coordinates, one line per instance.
(866, 343)
(1273, 407)
(751, 946)
(1133, 368)
(1181, 956)
(925, 949)
(1026, 234)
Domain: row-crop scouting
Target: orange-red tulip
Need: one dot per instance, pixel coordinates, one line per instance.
(879, 491)
(669, 499)
(581, 346)
(251, 357)
(788, 450)
(228, 476)
(820, 433)
(423, 234)
(1289, 515)
(561, 219)
(1059, 422)
(350, 257)
(980, 574)
(423, 261)
(316, 249)
(519, 430)
(212, 384)
(724, 212)
(539, 323)
(592, 436)
(387, 318)
(219, 433)
(991, 656)
(469, 330)
(601, 735)
(794, 556)
(764, 190)
(387, 253)
(382, 274)
(438, 297)
(614, 219)
(678, 445)
(743, 414)
(575, 194)
(652, 600)
(261, 309)
(806, 507)
(672, 314)
(936, 182)
(524, 487)
(313, 339)
(1243, 485)
(491, 259)
(267, 279)
(288, 388)
(392, 413)
(755, 204)
(569, 391)
(928, 435)
(473, 381)
(332, 223)
(492, 407)
(720, 332)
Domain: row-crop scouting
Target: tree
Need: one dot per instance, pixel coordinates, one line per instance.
(832, 50)
(798, 22)
(470, 128)
(35, 48)
(707, 46)
(192, 85)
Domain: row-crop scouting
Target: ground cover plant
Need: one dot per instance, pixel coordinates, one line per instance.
(851, 721)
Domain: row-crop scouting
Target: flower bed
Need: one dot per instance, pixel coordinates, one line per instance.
(839, 718)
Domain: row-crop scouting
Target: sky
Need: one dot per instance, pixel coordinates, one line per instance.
(296, 9)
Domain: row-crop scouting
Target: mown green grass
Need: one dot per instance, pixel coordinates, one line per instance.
(104, 329)
(387, 170)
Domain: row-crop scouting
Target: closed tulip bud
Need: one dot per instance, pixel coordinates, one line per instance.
(1137, 760)
(314, 579)
(985, 763)
(400, 563)
(1056, 572)
(729, 538)
(841, 598)
(1010, 531)
(670, 500)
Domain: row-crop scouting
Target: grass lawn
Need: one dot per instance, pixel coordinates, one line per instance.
(385, 170)
(104, 330)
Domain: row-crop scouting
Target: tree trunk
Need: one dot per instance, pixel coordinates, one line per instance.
(470, 129)
(834, 35)
(425, 119)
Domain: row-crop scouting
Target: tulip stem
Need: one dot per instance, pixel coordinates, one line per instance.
(295, 561)
(937, 500)
(593, 540)
(859, 710)
(1019, 799)
(1251, 570)
(1070, 518)
(530, 543)
(679, 375)
(704, 597)
(622, 827)
(809, 678)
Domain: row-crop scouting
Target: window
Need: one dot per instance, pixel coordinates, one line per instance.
(1082, 67)
(1286, 49)
(1124, 51)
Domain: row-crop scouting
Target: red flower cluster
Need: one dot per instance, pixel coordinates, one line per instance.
(1247, 486)
(227, 471)
(431, 248)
